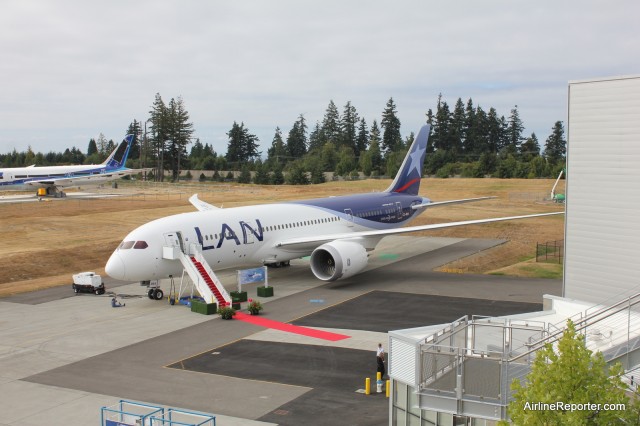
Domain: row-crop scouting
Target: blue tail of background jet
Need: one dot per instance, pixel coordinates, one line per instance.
(118, 157)
(407, 180)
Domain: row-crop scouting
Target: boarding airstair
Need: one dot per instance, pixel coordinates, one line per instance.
(203, 277)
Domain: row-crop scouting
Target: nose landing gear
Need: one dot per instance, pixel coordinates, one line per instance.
(154, 293)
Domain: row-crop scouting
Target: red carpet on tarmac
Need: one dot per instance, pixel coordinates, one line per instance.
(289, 328)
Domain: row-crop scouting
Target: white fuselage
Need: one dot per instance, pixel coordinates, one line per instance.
(229, 238)
(24, 177)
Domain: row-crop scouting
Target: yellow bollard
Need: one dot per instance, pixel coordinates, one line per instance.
(388, 388)
(378, 376)
(367, 386)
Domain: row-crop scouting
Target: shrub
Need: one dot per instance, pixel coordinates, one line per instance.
(226, 312)
(254, 307)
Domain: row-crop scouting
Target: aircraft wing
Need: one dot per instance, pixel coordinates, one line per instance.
(444, 203)
(201, 205)
(385, 232)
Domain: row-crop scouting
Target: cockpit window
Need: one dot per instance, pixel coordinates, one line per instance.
(126, 245)
(140, 245)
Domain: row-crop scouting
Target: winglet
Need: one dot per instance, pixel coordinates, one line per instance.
(201, 205)
(118, 157)
(407, 180)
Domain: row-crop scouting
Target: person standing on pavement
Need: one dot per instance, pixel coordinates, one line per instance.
(380, 360)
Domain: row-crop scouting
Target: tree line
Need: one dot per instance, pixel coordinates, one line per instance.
(466, 141)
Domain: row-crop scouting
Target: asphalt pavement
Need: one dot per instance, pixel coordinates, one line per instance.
(64, 357)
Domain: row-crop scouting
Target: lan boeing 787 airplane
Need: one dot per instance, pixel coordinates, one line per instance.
(337, 232)
(51, 178)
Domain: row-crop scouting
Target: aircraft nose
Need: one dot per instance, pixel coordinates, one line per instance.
(115, 267)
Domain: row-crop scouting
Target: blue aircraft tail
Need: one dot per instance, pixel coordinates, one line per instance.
(407, 180)
(118, 157)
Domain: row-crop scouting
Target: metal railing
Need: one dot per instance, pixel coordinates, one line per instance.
(472, 362)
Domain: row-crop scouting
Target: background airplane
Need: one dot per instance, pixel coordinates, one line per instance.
(337, 232)
(48, 179)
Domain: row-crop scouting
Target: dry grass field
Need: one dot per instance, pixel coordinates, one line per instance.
(44, 243)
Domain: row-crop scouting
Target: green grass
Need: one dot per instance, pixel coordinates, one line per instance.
(555, 272)
(532, 270)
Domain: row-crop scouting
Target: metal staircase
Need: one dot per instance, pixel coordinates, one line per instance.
(203, 277)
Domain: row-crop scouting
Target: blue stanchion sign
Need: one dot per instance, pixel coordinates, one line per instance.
(246, 276)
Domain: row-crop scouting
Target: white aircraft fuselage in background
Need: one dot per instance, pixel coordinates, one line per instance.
(337, 232)
(54, 177)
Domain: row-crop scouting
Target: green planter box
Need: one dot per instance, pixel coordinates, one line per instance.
(241, 296)
(236, 306)
(265, 291)
(203, 308)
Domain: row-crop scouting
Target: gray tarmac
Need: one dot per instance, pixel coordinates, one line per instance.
(9, 198)
(63, 358)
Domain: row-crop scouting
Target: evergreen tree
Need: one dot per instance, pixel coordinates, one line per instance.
(245, 175)
(555, 147)
(362, 140)
(297, 174)
(92, 148)
(159, 133)
(348, 127)
(374, 149)
(506, 167)
(371, 160)
(277, 178)
(430, 121)
(179, 133)
(30, 156)
(441, 132)
(391, 138)
(409, 140)
(514, 132)
(314, 166)
(394, 161)
(479, 135)
(457, 129)
(328, 157)
(495, 131)
(261, 176)
(487, 164)
(297, 139)
(571, 374)
(135, 129)
(331, 125)
(470, 145)
(365, 163)
(102, 145)
(346, 161)
(242, 146)
(277, 154)
(537, 167)
(530, 148)
(315, 138)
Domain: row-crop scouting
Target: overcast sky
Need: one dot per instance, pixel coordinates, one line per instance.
(71, 70)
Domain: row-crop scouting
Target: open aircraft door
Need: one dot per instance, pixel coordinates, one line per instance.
(349, 213)
(174, 239)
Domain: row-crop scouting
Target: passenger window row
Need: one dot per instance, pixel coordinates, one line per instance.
(270, 228)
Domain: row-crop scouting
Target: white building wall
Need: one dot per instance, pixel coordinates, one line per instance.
(602, 234)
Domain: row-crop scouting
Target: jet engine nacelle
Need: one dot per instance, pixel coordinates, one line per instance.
(337, 260)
